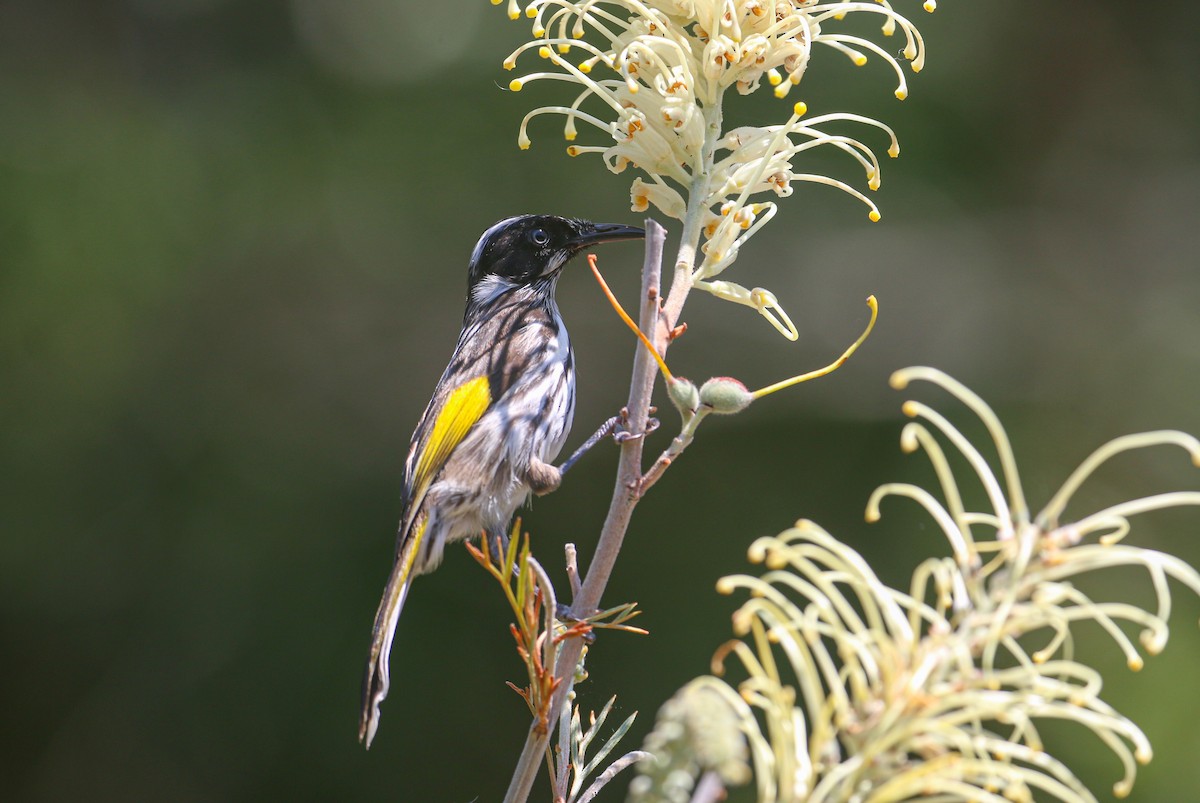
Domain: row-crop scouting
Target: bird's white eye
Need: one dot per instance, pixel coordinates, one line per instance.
(539, 237)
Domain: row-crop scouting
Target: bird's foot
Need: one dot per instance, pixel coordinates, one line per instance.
(621, 433)
(617, 427)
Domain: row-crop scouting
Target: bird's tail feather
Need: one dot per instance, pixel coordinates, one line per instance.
(377, 679)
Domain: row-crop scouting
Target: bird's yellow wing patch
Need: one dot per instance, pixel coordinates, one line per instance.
(465, 405)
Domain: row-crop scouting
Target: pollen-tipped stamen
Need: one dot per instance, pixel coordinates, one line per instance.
(833, 366)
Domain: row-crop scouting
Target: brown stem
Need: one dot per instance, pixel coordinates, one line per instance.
(625, 496)
(629, 470)
(657, 470)
(572, 569)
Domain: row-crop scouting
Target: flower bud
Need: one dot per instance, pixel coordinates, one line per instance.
(683, 395)
(724, 395)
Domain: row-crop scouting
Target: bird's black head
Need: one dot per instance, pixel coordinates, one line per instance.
(521, 250)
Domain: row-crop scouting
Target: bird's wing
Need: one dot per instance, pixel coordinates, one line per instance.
(462, 408)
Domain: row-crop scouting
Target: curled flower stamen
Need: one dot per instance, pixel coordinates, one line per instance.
(1009, 464)
(963, 552)
(760, 299)
(841, 43)
(1058, 503)
(571, 114)
(914, 46)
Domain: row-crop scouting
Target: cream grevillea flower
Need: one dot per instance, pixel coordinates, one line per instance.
(856, 691)
(650, 77)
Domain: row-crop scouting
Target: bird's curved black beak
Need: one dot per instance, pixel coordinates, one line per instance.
(593, 233)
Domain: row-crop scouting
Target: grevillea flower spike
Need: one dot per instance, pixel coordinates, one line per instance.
(650, 76)
(858, 691)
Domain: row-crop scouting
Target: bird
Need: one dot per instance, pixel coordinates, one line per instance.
(498, 417)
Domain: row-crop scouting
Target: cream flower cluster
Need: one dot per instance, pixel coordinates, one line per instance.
(651, 76)
(871, 693)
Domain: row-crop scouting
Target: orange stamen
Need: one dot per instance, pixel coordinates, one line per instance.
(612, 299)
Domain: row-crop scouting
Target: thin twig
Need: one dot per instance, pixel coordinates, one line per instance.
(620, 509)
(658, 469)
(629, 471)
(573, 569)
(563, 781)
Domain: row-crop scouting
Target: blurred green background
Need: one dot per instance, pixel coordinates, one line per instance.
(232, 248)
